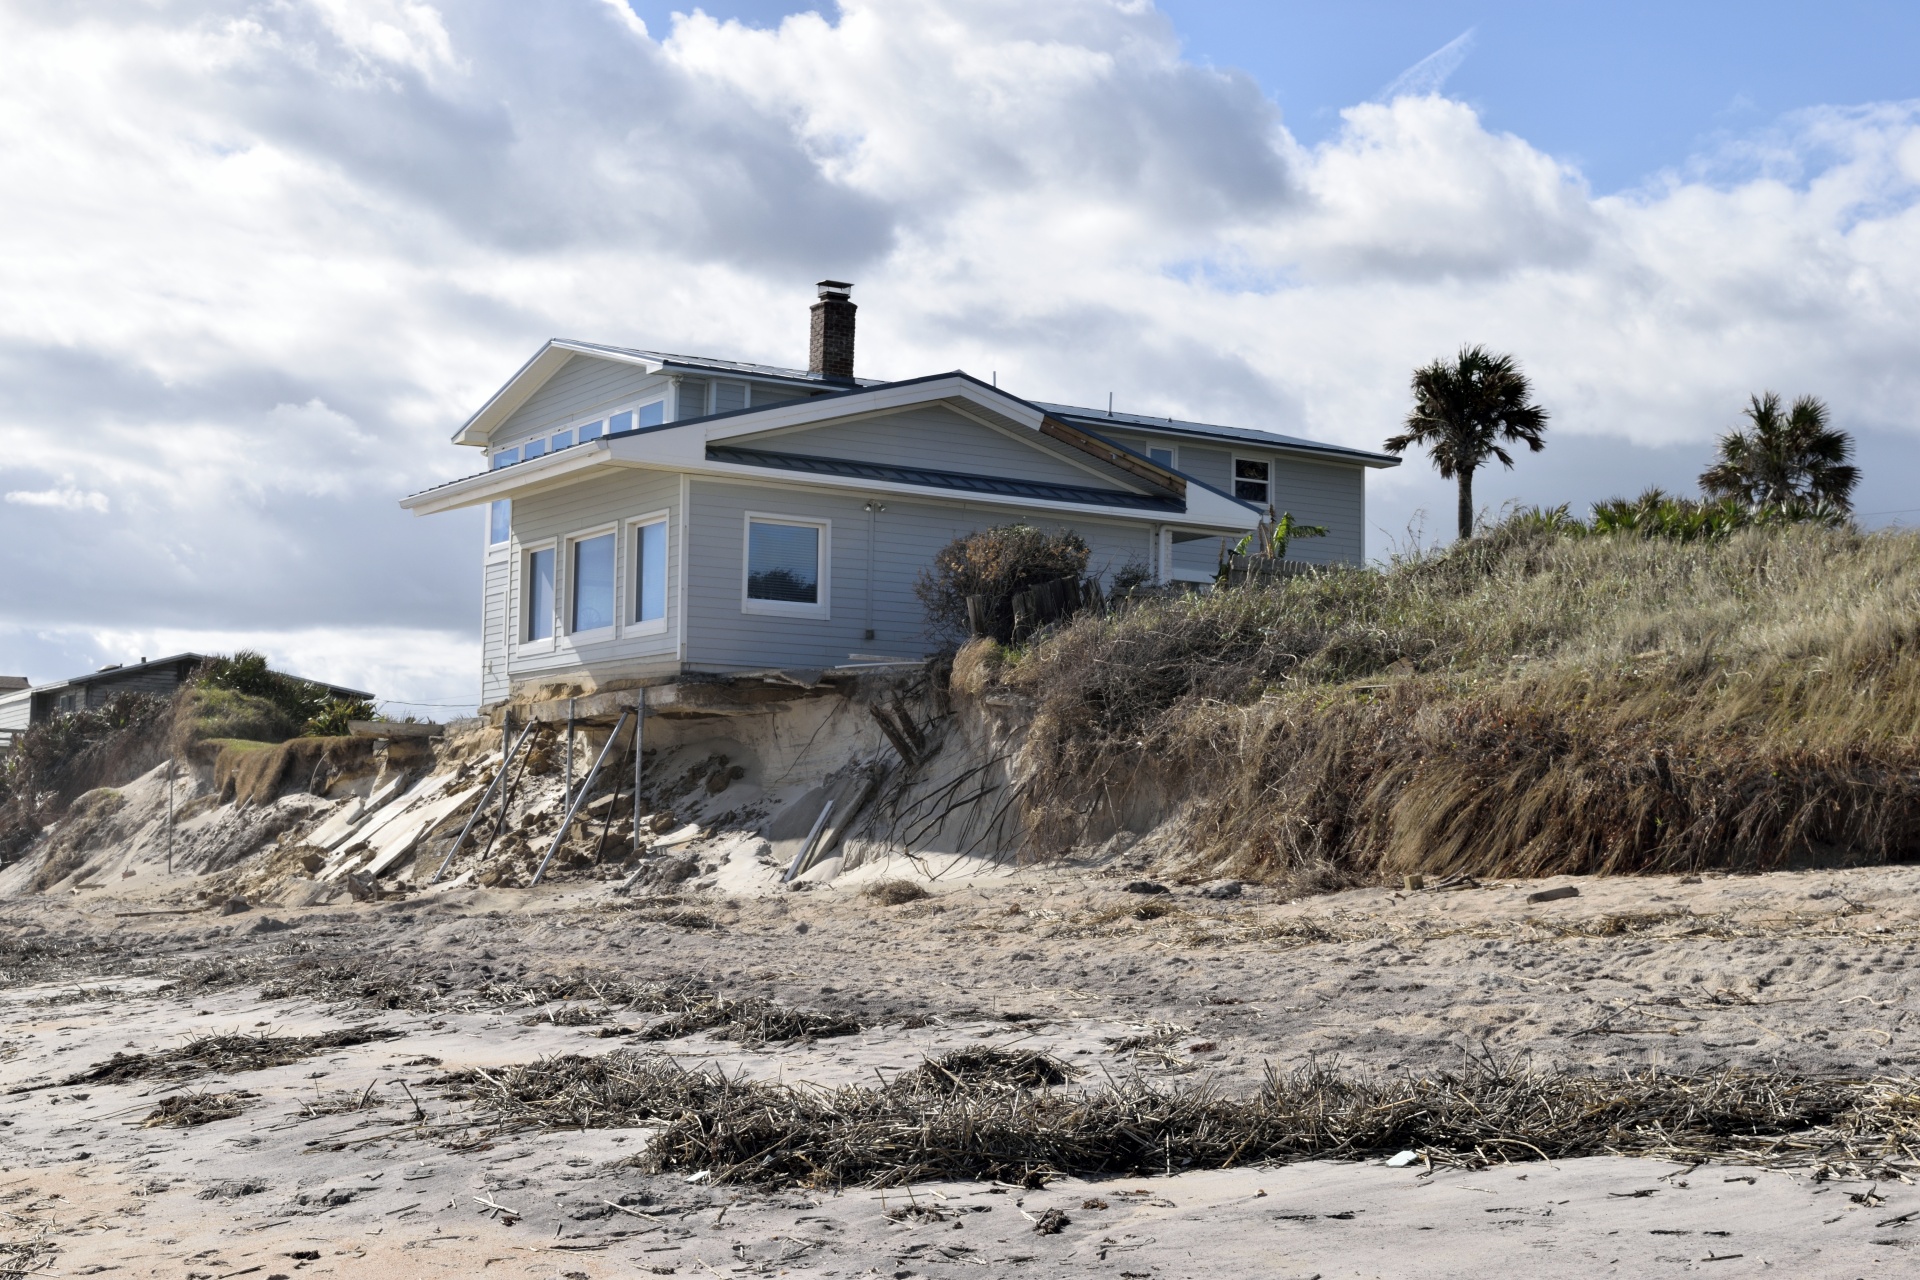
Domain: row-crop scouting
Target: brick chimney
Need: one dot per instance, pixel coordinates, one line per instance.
(830, 354)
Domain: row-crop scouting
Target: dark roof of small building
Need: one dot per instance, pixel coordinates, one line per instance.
(121, 671)
(1084, 495)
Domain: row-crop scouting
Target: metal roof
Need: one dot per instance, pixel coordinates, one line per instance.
(997, 486)
(1097, 418)
(711, 365)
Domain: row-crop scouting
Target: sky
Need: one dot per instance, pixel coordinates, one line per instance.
(259, 258)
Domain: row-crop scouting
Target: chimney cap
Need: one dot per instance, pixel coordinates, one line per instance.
(834, 288)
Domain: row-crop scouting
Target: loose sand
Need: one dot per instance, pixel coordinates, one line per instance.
(1805, 972)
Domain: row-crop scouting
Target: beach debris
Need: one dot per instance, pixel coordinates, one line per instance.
(988, 1066)
(1221, 890)
(923, 1126)
(891, 893)
(222, 1053)
(1143, 886)
(1554, 894)
(1051, 1223)
(1402, 1159)
(184, 1110)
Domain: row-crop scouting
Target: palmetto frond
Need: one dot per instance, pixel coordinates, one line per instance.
(1465, 412)
(1784, 457)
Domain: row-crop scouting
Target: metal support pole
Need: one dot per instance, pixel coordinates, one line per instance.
(474, 817)
(639, 731)
(793, 868)
(580, 799)
(568, 792)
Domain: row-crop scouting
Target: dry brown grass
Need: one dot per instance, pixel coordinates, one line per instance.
(1520, 706)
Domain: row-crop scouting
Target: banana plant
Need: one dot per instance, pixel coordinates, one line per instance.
(1284, 531)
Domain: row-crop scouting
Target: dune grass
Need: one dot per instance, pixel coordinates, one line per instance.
(1524, 704)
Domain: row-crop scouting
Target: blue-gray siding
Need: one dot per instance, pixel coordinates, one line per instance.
(583, 386)
(579, 508)
(904, 538)
(1332, 494)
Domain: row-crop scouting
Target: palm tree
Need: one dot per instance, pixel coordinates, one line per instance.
(1464, 410)
(1785, 458)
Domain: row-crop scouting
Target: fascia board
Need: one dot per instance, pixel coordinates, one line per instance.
(1207, 506)
(516, 481)
(669, 448)
(865, 403)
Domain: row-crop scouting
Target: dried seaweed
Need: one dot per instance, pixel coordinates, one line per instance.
(891, 893)
(185, 1110)
(224, 1054)
(908, 1130)
(987, 1066)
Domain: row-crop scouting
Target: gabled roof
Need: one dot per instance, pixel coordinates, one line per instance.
(1139, 487)
(1097, 419)
(547, 361)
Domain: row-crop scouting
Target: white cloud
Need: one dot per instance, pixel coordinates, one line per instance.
(261, 258)
(62, 499)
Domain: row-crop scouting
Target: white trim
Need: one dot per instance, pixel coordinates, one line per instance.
(1233, 476)
(1205, 509)
(680, 568)
(1171, 450)
(564, 593)
(824, 586)
(520, 583)
(629, 603)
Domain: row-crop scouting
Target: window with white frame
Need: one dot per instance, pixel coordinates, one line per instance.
(590, 586)
(592, 430)
(648, 609)
(536, 596)
(562, 440)
(533, 449)
(500, 513)
(1160, 455)
(652, 415)
(786, 566)
(1253, 480)
(622, 421)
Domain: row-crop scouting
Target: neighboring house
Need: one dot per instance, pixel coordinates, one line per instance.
(26, 706)
(652, 515)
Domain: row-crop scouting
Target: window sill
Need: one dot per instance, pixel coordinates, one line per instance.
(651, 627)
(785, 609)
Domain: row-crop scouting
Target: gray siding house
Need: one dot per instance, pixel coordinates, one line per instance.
(652, 515)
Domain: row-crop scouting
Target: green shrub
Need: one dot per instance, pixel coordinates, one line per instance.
(995, 563)
(334, 719)
(210, 713)
(310, 709)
